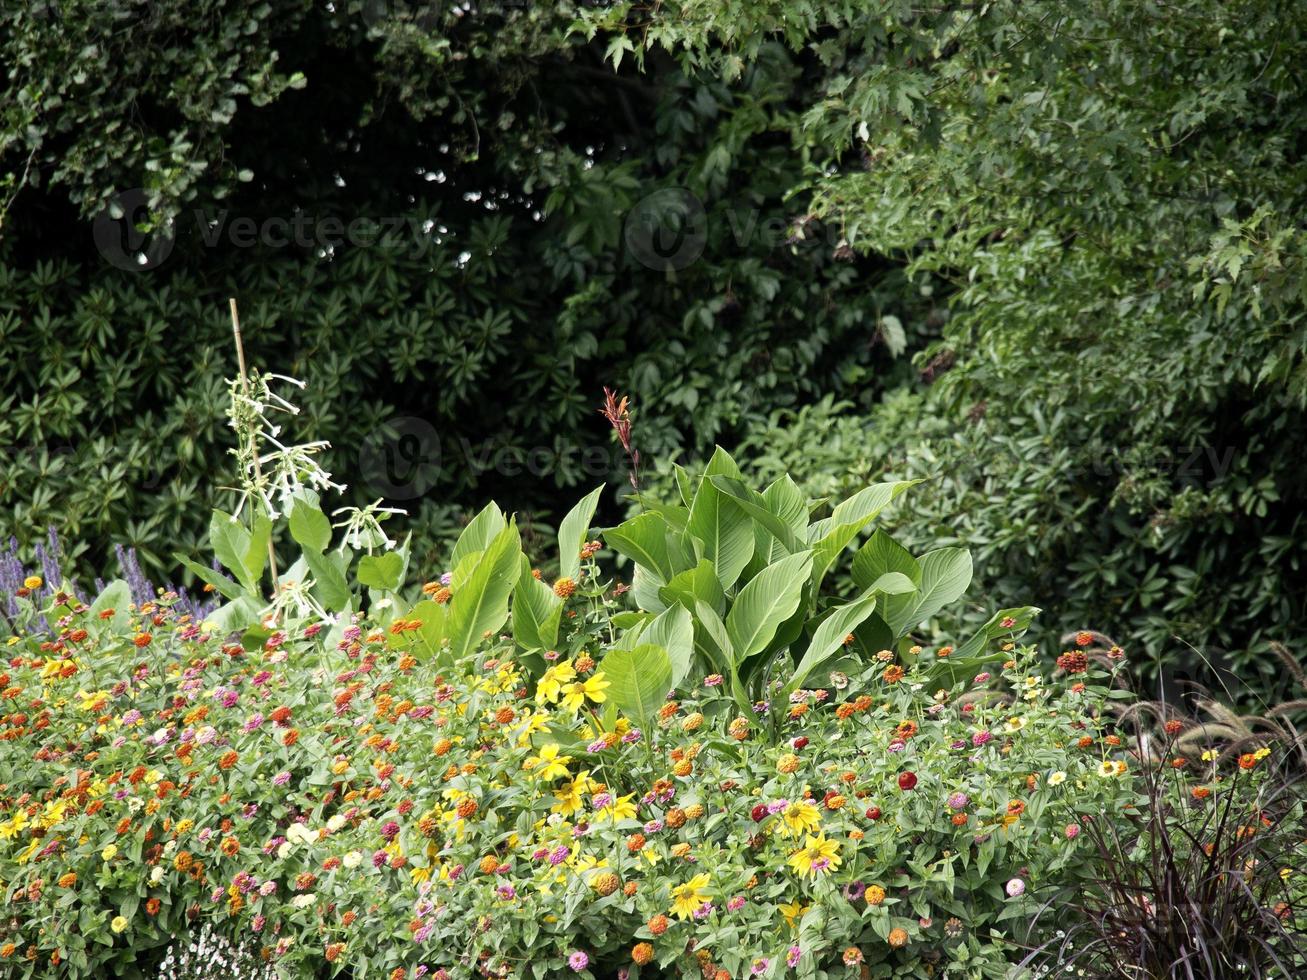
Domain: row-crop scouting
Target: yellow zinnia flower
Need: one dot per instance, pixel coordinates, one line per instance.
(1057, 778)
(817, 855)
(688, 897)
(571, 795)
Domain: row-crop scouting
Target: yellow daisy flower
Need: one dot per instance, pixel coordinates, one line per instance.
(817, 856)
(689, 896)
(800, 817)
(548, 764)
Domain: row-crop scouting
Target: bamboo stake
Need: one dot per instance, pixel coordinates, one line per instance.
(245, 389)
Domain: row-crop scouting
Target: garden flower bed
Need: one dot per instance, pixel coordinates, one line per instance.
(721, 770)
(334, 796)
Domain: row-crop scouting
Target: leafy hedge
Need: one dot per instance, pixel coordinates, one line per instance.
(467, 348)
(1113, 198)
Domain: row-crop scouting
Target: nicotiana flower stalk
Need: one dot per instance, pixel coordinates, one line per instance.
(273, 476)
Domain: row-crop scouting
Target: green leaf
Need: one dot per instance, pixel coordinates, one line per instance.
(117, 595)
(537, 612)
(480, 606)
(880, 556)
(224, 586)
(829, 637)
(699, 584)
(478, 534)
(640, 680)
(434, 619)
(383, 572)
(1021, 617)
(572, 532)
(255, 558)
(309, 526)
(673, 630)
(831, 536)
(329, 583)
(643, 539)
(230, 542)
(719, 523)
(768, 600)
(756, 506)
(945, 575)
(237, 614)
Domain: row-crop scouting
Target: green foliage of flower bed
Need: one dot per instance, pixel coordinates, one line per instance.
(494, 776)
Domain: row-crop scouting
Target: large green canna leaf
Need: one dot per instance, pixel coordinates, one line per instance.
(768, 600)
(832, 535)
(572, 532)
(699, 584)
(480, 605)
(720, 527)
(673, 631)
(829, 638)
(537, 612)
(478, 534)
(431, 634)
(643, 539)
(724, 530)
(880, 556)
(945, 575)
(775, 515)
(640, 679)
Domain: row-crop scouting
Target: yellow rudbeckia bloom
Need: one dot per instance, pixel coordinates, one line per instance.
(620, 809)
(817, 856)
(551, 684)
(548, 764)
(800, 817)
(592, 688)
(793, 913)
(688, 897)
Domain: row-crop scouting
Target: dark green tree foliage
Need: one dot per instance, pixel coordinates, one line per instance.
(459, 188)
(1115, 193)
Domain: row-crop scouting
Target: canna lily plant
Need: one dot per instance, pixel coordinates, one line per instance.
(729, 581)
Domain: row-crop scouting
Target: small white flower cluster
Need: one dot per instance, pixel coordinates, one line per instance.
(276, 476)
(206, 955)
